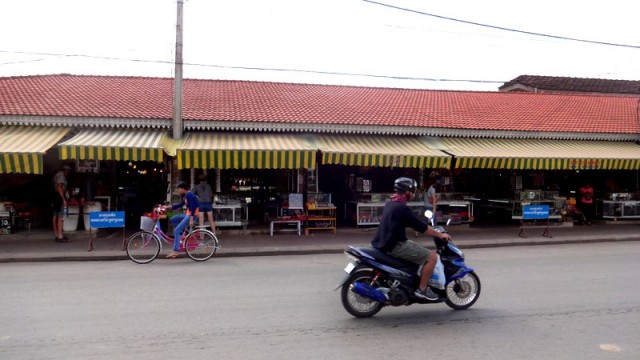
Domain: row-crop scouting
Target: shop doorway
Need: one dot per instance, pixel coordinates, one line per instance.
(137, 186)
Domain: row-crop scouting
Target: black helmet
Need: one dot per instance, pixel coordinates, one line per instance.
(182, 185)
(405, 184)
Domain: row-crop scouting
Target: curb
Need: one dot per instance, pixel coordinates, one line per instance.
(312, 251)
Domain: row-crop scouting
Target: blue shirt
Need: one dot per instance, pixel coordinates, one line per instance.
(191, 201)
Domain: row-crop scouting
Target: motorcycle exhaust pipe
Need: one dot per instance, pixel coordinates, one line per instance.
(368, 291)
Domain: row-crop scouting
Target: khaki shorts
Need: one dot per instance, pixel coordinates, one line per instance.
(410, 251)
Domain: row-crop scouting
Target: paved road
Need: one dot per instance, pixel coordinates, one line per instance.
(555, 302)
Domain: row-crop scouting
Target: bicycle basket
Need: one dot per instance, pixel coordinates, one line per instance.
(147, 223)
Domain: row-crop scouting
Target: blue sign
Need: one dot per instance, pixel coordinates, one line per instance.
(535, 212)
(106, 219)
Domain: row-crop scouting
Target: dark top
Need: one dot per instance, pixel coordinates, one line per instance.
(396, 218)
(192, 203)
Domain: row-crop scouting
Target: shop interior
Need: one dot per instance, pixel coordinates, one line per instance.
(253, 197)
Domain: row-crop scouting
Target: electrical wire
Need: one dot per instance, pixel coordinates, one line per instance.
(21, 62)
(503, 28)
(393, 77)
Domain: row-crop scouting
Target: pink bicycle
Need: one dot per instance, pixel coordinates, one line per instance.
(143, 247)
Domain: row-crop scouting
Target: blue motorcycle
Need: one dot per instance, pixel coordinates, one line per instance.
(375, 280)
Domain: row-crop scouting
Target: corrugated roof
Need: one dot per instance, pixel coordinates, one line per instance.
(270, 102)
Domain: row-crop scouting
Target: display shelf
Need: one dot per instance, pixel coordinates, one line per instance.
(620, 209)
(459, 211)
(312, 181)
(231, 215)
(369, 214)
(320, 218)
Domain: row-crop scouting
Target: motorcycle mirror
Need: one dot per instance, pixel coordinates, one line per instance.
(428, 214)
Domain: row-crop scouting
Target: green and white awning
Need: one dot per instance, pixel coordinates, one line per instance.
(208, 150)
(22, 147)
(382, 151)
(533, 154)
(115, 144)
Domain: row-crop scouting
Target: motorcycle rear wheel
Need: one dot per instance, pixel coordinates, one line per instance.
(464, 292)
(356, 304)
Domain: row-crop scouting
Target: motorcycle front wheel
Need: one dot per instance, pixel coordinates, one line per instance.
(464, 292)
(356, 304)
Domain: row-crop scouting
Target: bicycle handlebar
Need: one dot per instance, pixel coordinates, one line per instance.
(158, 210)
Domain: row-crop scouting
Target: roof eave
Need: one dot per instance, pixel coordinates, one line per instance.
(230, 125)
(400, 130)
(84, 121)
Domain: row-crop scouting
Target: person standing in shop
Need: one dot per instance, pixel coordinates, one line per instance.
(587, 205)
(430, 198)
(205, 196)
(59, 202)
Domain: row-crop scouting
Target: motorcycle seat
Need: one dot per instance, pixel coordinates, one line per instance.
(388, 259)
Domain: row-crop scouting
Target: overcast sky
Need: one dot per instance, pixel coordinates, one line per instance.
(350, 42)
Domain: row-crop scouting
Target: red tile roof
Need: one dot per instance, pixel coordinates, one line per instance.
(151, 98)
(575, 85)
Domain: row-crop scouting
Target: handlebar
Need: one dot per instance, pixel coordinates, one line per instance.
(439, 243)
(158, 210)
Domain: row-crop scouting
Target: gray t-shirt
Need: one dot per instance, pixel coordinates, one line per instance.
(204, 192)
(59, 178)
(431, 193)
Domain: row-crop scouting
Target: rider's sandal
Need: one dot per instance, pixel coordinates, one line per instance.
(172, 255)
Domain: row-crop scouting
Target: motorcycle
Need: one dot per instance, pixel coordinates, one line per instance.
(375, 279)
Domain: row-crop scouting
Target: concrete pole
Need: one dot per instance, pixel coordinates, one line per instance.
(177, 86)
(177, 100)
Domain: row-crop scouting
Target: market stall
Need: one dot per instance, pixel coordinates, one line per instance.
(231, 214)
(621, 206)
(455, 206)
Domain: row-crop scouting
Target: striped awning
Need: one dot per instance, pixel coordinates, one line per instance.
(115, 144)
(382, 151)
(221, 150)
(542, 154)
(22, 147)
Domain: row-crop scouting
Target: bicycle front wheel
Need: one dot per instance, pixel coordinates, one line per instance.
(201, 244)
(143, 247)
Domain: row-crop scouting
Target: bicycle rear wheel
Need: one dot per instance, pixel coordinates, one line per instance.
(201, 244)
(143, 247)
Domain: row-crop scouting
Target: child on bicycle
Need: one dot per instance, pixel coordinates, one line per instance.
(180, 221)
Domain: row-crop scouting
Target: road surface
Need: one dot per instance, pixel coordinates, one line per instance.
(540, 302)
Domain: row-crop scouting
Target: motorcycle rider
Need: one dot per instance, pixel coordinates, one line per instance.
(391, 237)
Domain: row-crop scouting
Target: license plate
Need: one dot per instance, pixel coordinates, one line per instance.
(349, 268)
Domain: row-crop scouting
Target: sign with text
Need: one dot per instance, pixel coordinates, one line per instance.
(106, 219)
(535, 212)
(87, 165)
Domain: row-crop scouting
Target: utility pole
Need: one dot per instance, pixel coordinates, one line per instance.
(177, 101)
(177, 83)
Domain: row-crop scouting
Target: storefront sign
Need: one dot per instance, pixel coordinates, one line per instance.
(106, 219)
(586, 164)
(87, 165)
(535, 212)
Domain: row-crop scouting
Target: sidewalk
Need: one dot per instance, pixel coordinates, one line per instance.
(39, 245)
